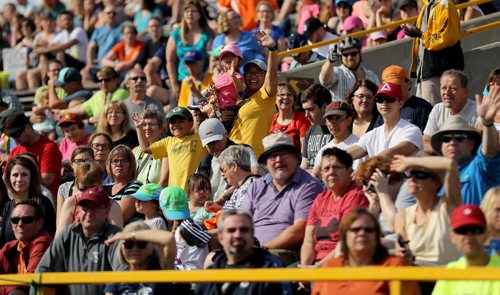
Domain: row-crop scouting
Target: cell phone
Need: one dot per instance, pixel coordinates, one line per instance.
(401, 241)
(371, 188)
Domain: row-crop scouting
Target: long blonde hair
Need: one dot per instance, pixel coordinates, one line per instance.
(203, 21)
(487, 205)
(103, 125)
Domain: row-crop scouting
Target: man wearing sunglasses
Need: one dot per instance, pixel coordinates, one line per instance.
(31, 240)
(478, 163)
(339, 80)
(468, 233)
(80, 247)
(395, 136)
(138, 101)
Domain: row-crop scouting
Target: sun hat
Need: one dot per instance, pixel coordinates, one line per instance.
(277, 142)
(458, 125)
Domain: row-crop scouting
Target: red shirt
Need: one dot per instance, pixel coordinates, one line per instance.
(355, 287)
(48, 156)
(326, 214)
(296, 129)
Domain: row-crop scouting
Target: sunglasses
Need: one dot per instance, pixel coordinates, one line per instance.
(351, 54)
(106, 80)
(358, 229)
(138, 244)
(138, 78)
(25, 219)
(381, 99)
(449, 137)
(418, 174)
(466, 230)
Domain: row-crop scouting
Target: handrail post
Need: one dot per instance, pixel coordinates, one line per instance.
(401, 287)
(48, 290)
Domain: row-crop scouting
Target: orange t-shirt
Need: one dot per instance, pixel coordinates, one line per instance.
(119, 51)
(355, 287)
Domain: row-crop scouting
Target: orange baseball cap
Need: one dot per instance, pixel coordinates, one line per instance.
(394, 74)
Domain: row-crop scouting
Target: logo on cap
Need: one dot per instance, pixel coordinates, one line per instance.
(335, 105)
(386, 87)
(467, 211)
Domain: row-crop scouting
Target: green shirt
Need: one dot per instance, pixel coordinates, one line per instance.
(96, 103)
(468, 287)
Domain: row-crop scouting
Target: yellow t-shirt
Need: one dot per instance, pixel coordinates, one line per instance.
(253, 121)
(184, 155)
(185, 92)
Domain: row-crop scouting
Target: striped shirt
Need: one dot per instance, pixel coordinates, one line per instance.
(344, 80)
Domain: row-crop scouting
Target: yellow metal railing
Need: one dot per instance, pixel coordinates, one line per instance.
(399, 277)
(372, 30)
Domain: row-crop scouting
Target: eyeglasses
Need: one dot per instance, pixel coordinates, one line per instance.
(351, 54)
(119, 161)
(105, 80)
(364, 96)
(381, 99)
(466, 230)
(81, 161)
(99, 146)
(141, 78)
(282, 155)
(358, 229)
(24, 219)
(418, 174)
(449, 137)
(256, 73)
(138, 244)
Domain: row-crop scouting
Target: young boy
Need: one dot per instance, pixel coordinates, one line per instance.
(183, 150)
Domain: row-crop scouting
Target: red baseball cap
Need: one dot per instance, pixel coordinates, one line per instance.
(96, 196)
(70, 118)
(391, 90)
(467, 215)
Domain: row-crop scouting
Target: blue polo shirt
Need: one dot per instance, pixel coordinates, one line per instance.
(477, 176)
(105, 38)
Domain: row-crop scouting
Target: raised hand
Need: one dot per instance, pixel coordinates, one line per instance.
(399, 164)
(118, 236)
(138, 119)
(411, 31)
(380, 181)
(488, 106)
(264, 39)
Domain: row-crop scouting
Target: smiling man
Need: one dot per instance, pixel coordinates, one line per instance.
(280, 200)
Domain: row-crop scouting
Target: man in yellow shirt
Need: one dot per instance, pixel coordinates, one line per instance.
(183, 150)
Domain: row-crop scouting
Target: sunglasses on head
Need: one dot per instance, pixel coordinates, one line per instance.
(449, 137)
(418, 174)
(24, 219)
(381, 99)
(352, 54)
(465, 230)
(104, 80)
(138, 244)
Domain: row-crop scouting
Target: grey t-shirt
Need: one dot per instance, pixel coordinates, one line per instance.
(316, 137)
(149, 103)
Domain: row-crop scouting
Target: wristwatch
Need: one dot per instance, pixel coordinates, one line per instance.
(274, 48)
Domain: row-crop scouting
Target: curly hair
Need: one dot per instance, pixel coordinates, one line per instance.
(367, 168)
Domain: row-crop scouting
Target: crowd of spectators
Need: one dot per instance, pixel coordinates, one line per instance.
(160, 137)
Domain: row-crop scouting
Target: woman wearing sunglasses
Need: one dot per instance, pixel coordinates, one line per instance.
(23, 182)
(426, 225)
(360, 246)
(396, 136)
(141, 248)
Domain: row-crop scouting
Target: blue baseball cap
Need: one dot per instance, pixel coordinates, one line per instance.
(67, 75)
(192, 56)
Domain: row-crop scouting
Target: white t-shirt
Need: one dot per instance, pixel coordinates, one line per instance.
(440, 113)
(344, 145)
(374, 141)
(156, 223)
(79, 50)
(188, 257)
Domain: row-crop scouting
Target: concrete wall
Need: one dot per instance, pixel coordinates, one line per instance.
(481, 52)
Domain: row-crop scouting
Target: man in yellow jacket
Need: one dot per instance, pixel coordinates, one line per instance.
(436, 47)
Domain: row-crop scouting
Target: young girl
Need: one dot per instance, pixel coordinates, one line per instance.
(199, 191)
(147, 203)
(228, 84)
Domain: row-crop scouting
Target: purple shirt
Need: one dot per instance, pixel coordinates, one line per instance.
(274, 211)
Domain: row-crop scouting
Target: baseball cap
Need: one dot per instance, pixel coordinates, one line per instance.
(351, 22)
(216, 51)
(181, 112)
(13, 122)
(467, 215)
(311, 25)
(337, 107)
(394, 74)
(296, 40)
(348, 2)
(378, 35)
(261, 64)
(192, 56)
(96, 196)
(67, 75)
(211, 130)
(148, 192)
(69, 118)
(403, 3)
(174, 203)
(277, 142)
(391, 90)
(231, 48)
